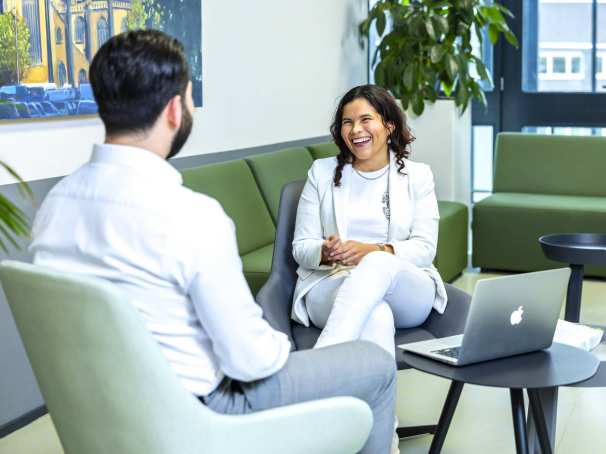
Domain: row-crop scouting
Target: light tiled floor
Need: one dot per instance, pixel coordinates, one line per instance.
(482, 423)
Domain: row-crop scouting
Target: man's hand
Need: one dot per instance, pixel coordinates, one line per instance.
(351, 252)
(330, 247)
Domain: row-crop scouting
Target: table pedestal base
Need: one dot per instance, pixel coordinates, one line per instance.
(518, 415)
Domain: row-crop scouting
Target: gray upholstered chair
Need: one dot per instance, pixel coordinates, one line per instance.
(109, 389)
(275, 297)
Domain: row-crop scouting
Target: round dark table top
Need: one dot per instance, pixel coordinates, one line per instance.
(556, 366)
(575, 248)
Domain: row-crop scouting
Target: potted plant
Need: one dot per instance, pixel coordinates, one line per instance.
(427, 50)
(426, 55)
(13, 221)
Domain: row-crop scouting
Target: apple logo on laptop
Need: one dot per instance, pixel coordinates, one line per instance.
(516, 316)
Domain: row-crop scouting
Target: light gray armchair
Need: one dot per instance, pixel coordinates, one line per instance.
(275, 297)
(109, 389)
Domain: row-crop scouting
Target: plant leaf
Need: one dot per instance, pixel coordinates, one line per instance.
(493, 33)
(511, 39)
(418, 105)
(380, 24)
(436, 53)
(430, 30)
(24, 188)
(451, 66)
(409, 75)
(440, 24)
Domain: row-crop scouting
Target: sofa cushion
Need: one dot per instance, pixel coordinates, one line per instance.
(323, 150)
(542, 164)
(506, 228)
(257, 265)
(234, 187)
(273, 170)
(451, 254)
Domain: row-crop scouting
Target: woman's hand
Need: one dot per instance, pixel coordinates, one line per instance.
(329, 248)
(351, 252)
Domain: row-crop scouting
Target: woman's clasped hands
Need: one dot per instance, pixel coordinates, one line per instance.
(345, 253)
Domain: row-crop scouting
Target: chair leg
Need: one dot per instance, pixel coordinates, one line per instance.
(413, 431)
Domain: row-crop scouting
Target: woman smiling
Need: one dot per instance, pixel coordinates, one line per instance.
(366, 229)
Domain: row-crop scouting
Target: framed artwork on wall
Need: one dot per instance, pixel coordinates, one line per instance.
(46, 47)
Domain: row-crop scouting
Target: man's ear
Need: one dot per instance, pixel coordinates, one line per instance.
(174, 112)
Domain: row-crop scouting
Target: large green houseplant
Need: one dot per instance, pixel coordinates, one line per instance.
(425, 48)
(13, 221)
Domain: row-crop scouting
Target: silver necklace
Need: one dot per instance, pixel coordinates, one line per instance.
(370, 178)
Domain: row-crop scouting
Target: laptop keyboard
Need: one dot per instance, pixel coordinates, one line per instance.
(451, 352)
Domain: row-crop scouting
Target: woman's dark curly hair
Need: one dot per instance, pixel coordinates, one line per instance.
(385, 105)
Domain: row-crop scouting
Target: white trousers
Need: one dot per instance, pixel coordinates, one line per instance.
(368, 302)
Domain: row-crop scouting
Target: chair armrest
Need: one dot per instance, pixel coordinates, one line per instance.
(339, 425)
(275, 300)
(452, 321)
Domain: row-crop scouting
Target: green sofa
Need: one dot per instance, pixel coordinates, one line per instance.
(542, 184)
(249, 191)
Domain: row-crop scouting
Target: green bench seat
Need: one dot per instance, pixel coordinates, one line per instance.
(249, 191)
(542, 185)
(233, 185)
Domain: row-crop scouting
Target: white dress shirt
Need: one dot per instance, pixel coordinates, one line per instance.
(125, 217)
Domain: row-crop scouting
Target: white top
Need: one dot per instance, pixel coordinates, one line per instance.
(125, 217)
(368, 196)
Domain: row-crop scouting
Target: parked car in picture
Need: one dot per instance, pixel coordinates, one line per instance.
(8, 111)
(23, 110)
(34, 111)
(49, 108)
(86, 92)
(87, 108)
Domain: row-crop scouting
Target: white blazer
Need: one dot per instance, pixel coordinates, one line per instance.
(322, 211)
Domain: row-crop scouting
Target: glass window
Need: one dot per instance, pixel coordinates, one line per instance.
(80, 29)
(82, 77)
(565, 130)
(599, 68)
(482, 146)
(559, 65)
(62, 74)
(575, 65)
(32, 19)
(542, 65)
(59, 35)
(102, 31)
(561, 32)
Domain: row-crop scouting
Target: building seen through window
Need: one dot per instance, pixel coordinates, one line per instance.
(563, 53)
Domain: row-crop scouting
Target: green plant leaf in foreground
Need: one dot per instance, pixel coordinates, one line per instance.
(14, 223)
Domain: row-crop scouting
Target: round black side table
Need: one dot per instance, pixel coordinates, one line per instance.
(559, 365)
(578, 250)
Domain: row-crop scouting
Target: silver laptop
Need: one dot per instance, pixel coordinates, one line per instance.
(508, 316)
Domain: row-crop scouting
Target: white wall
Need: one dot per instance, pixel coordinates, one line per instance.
(273, 71)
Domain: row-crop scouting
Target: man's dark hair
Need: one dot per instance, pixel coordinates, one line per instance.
(134, 75)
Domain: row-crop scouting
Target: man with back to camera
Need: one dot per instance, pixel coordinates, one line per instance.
(124, 216)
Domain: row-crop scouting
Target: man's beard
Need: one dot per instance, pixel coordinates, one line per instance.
(182, 134)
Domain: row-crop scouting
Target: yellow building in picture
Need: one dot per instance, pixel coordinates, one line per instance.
(66, 33)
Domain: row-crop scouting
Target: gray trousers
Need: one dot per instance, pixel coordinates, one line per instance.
(360, 369)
